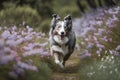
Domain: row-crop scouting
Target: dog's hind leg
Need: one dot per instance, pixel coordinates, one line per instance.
(66, 58)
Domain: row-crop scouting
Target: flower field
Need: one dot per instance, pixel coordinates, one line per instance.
(24, 52)
(99, 33)
(19, 49)
(99, 44)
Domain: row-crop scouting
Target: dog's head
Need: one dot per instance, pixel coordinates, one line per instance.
(61, 28)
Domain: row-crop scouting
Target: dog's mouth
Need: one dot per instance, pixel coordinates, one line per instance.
(62, 37)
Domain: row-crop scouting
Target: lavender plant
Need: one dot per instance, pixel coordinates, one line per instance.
(20, 52)
(100, 32)
(100, 42)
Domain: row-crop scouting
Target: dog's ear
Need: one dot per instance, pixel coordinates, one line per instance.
(55, 19)
(68, 17)
(68, 21)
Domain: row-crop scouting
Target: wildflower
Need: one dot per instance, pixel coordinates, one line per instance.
(90, 45)
(27, 66)
(11, 43)
(100, 45)
(14, 28)
(19, 41)
(118, 48)
(32, 52)
(105, 38)
(99, 23)
(27, 38)
(100, 31)
(85, 54)
(5, 34)
(7, 58)
(98, 52)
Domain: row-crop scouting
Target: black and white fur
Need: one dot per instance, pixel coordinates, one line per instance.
(62, 39)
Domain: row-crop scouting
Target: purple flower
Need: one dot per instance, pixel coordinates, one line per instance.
(14, 28)
(101, 31)
(114, 11)
(28, 38)
(90, 45)
(45, 53)
(95, 38)
(11, 43)
(7, 58)
(100, 45)
(19, 41)
(105, 38)
(7, 49)
(27, 66)
(98, 52)
(99, 23)
(5, 34)
(85, 54)
(118, 48)
(33, 52)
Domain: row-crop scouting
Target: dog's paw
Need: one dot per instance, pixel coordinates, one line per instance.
(59, 63)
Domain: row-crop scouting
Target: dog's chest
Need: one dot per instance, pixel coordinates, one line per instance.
(65, 49)
(59, 41)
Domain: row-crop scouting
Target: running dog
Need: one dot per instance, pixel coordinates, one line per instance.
(62, 39)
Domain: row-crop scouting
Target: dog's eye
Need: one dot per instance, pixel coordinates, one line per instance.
(65, 27)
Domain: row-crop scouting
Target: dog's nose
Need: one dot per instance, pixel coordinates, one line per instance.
(62, 33)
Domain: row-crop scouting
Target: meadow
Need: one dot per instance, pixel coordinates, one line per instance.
(25, 55)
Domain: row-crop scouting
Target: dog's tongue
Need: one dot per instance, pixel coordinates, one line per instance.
(62, 36)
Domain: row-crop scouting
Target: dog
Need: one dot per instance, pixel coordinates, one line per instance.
(62, 39)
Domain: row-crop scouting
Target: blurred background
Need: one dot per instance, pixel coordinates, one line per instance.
(37, 13)
(24, 46)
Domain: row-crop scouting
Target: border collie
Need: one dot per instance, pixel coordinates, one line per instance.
(62, 39)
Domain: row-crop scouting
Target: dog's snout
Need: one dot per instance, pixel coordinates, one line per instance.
(62, 33)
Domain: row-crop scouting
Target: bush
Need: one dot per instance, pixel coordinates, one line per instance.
(72, 10)
(16, 15)
(43, 74)
(45, 26)
(108, 68)
(69, 10)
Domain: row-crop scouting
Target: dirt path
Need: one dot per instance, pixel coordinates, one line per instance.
(70, 71)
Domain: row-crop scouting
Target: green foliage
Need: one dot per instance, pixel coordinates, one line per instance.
(50, 62)
(16, 15)
(64, 8)
(44, 8)
(45, 26)
(108, 68)
(68, 10)
(43, 74)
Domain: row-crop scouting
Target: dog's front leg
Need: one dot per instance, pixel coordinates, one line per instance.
(58, 59)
